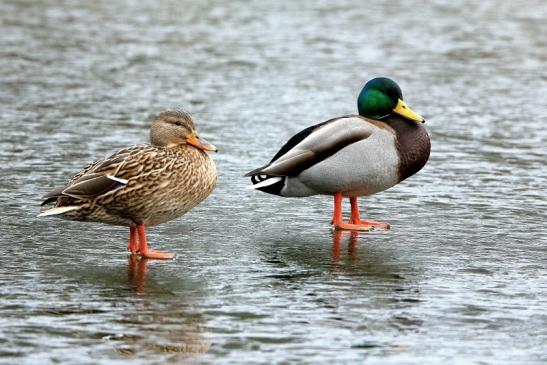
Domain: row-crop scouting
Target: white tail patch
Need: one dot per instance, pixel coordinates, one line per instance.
(57, 211)
(267, 182)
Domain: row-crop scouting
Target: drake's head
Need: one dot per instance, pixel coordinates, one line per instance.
(176, 127)
(381, 97)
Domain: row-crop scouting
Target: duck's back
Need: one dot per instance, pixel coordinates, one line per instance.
(361, 168)
(396, 150)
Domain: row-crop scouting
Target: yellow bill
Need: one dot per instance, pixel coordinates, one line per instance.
(403, 110)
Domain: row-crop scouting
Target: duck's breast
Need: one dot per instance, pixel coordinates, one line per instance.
(178, 182)
(192, 183)
(413, 147)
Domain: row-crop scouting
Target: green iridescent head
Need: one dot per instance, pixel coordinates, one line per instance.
(381, 97)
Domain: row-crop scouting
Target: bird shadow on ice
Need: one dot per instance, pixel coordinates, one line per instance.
(146, 311)
(109, 274)
(351, 252)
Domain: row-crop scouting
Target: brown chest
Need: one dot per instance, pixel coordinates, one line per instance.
(413, 146)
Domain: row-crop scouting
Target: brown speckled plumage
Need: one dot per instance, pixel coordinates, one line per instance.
(144, 184)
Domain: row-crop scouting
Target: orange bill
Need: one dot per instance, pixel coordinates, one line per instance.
(200, 143)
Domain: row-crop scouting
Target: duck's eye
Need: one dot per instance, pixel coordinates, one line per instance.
(178, 123)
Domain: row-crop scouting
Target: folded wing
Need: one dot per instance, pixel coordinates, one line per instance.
(100, 177)
(325, 140)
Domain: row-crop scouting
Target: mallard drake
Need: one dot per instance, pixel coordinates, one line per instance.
(142, 185)
(352, 155)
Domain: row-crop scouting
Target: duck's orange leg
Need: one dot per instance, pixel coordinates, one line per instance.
(145, 252)
(133, 245)
(356, 219)
(337, 214)
(355, 223)
(337, 217)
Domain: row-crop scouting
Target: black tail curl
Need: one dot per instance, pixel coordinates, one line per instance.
(258, 178)
(274, 188)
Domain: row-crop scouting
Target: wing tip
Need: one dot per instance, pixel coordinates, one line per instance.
(257, 171)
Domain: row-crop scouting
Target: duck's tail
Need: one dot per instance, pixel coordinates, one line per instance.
(268, 184)
(59, 210)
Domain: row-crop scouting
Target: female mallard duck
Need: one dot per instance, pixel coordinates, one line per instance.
(142, 185)
(351, 156)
